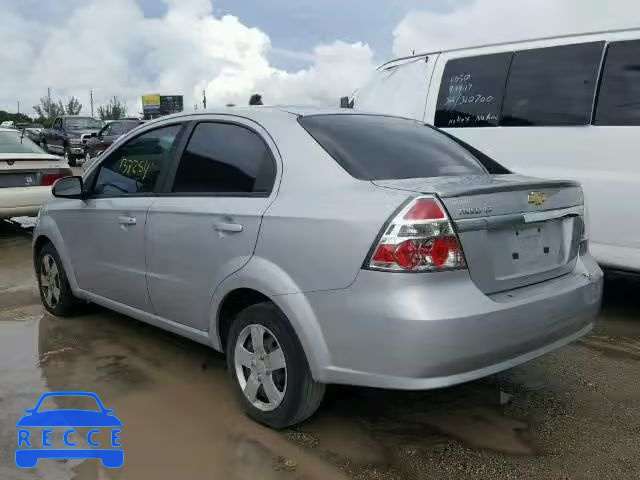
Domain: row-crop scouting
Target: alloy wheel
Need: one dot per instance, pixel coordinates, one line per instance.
(260, 367)
(50, 280)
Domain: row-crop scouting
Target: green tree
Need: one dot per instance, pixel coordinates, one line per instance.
(73, 106)
(14, 117)
(114, 110)
(48, 108)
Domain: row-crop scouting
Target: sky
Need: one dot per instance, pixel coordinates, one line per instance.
(290, 51)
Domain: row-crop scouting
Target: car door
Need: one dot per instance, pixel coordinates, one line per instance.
(106, 235)
(205, 226)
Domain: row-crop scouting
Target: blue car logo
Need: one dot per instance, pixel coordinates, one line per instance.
(32, 447)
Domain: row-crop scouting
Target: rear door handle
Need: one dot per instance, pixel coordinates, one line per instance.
(127, 220)
(228, 227)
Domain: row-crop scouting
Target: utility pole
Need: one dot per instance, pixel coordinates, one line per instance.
(18, 107)
(91, 100)
(204, 99)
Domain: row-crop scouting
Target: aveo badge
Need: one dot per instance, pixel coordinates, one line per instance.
(69, 433)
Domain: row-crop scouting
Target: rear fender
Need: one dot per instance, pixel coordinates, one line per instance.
(267, 278)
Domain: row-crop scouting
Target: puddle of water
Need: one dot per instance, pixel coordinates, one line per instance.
(180, 420)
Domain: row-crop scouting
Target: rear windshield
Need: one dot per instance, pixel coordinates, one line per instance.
(10, 142)
(376, 147)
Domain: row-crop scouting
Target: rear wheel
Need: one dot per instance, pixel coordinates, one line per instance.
(269, 368)
(55, 291)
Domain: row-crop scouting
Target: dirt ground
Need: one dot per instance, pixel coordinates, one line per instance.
(572, 414)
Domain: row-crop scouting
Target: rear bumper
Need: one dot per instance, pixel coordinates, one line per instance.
(422, 331)
(23, 201)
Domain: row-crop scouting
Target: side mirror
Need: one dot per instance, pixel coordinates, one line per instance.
(68, 187)
(94, 134)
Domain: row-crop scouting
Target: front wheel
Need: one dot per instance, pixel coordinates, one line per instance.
(55, 291)
(269, 368)
(70, 159)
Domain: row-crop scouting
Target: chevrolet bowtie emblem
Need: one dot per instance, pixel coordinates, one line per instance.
(536, 198)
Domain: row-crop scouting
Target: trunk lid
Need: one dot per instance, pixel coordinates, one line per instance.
(514, 230)
(27, 169)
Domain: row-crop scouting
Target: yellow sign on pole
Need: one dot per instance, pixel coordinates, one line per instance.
(151, 102)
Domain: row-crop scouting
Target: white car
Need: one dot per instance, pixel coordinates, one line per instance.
(26, 174)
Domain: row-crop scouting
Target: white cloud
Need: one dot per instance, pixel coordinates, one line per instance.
(114, 50)
(486, 21)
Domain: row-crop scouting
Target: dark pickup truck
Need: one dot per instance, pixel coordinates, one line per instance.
(68, 136)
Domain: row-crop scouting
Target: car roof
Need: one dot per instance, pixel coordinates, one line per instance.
(264, 112)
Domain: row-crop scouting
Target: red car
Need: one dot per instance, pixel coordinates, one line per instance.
(100, 141)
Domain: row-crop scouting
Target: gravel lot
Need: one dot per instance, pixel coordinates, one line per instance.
(572, 414)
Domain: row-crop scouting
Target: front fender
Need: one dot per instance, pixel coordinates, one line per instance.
(48, 228)
(267, 278)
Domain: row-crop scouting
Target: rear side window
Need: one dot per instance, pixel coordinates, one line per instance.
(619, 96)
(552, 86)
(471, 91)
(373, 147)
(225, 158)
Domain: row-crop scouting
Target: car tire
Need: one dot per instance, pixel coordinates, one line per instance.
(71, 160)
(299, 394)
(55, 291)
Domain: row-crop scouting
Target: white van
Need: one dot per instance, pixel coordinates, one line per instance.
(564, 107)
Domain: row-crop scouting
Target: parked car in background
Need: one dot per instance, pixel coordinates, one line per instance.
(7, 124)
(26, 174)
(315, 246)
(68, 136)
(34, 132)
(564, 107)
(100, 141)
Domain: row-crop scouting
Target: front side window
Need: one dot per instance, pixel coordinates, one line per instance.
(552, 86)
(471, 91)
(225, 158)
(134, 168)
(377, 147)
(619, 97)
(120, 128)
(106, 130)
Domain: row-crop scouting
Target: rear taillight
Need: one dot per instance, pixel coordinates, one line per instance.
(50, 178)
(420, 238)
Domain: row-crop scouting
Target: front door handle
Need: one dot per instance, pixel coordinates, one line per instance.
(127, 220)
(228, 227)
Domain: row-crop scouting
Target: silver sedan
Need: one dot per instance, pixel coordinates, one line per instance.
(322, 246)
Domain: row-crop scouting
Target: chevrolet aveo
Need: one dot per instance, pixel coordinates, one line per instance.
(322, 246)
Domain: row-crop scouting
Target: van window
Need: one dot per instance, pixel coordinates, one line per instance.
(619, 96)
(378, 147)
(398, 90)
(471, 91)
(552, 86)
